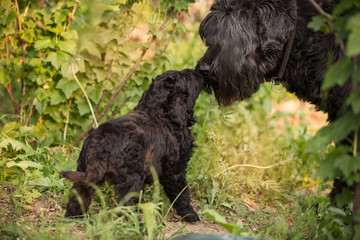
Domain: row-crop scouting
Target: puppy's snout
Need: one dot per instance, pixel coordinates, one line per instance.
(203, 68)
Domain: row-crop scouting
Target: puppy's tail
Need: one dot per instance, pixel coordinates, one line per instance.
(76, 177)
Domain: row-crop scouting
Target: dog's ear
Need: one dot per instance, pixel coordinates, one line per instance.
(276, 22)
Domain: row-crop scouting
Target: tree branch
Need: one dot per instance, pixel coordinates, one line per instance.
(29, 116)
(72, 13)
(318, 8)
(23, 47)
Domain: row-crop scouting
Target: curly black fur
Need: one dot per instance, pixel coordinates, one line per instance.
(155, 134)
(246, 42)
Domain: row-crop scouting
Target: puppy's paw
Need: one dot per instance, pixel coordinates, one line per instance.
(191, 217)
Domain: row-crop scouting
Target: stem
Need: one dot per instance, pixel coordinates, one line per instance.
(86, 96)
(356, 140)
(318, 8)
(67, 120)
(23, 45)
(29, 116)
(18, 12)
(72, 14)
(7, 47)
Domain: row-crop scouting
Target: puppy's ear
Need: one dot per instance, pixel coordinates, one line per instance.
(177, 110)
(76, 177)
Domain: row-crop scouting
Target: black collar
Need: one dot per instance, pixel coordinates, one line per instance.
(278, 79)
(286, 56)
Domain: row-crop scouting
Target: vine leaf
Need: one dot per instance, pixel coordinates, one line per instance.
(57, 59)
(67, 86)
(338, 73)
(44, 43)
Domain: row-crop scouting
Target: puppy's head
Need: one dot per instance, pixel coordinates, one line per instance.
(246, 40)
(173, 93)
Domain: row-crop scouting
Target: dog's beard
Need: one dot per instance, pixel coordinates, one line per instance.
(234, 86)
(231, 79)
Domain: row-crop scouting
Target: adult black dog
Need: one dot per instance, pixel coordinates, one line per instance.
(252, 41)
(155, 134)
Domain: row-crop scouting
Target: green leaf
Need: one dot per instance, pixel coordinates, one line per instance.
(68, 46)
(28, 196)
(317, 23)
(4, 77)
(95, 93)
(57, 97)
(344, 198)
(35, 62)
(91, 48)
(57, 30)
(346, 163)
(10, 127)
(40, 106)
(219, 219)
(354, 101)
(103, 36)
(343, 126)
(9, 29)
(182, 4)
(53, 112)
(148, 210)
(353, 25)
(70, 35)
(57, 58)
(5, 4)
(67, 86)
(24, 164)
(11, 16)
(353, 45)
(59, 17)
(16, 145)
(338, 73)
(343, 6)
(101, 74)
(327, 170)
(44, 43)
(83, 106)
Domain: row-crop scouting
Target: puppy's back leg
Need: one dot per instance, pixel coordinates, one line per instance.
(174, 184)
(128, 183)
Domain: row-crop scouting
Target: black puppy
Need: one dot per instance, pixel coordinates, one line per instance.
(155, 134)
(252, 41)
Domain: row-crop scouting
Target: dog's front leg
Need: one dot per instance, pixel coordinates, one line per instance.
(176, 189)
